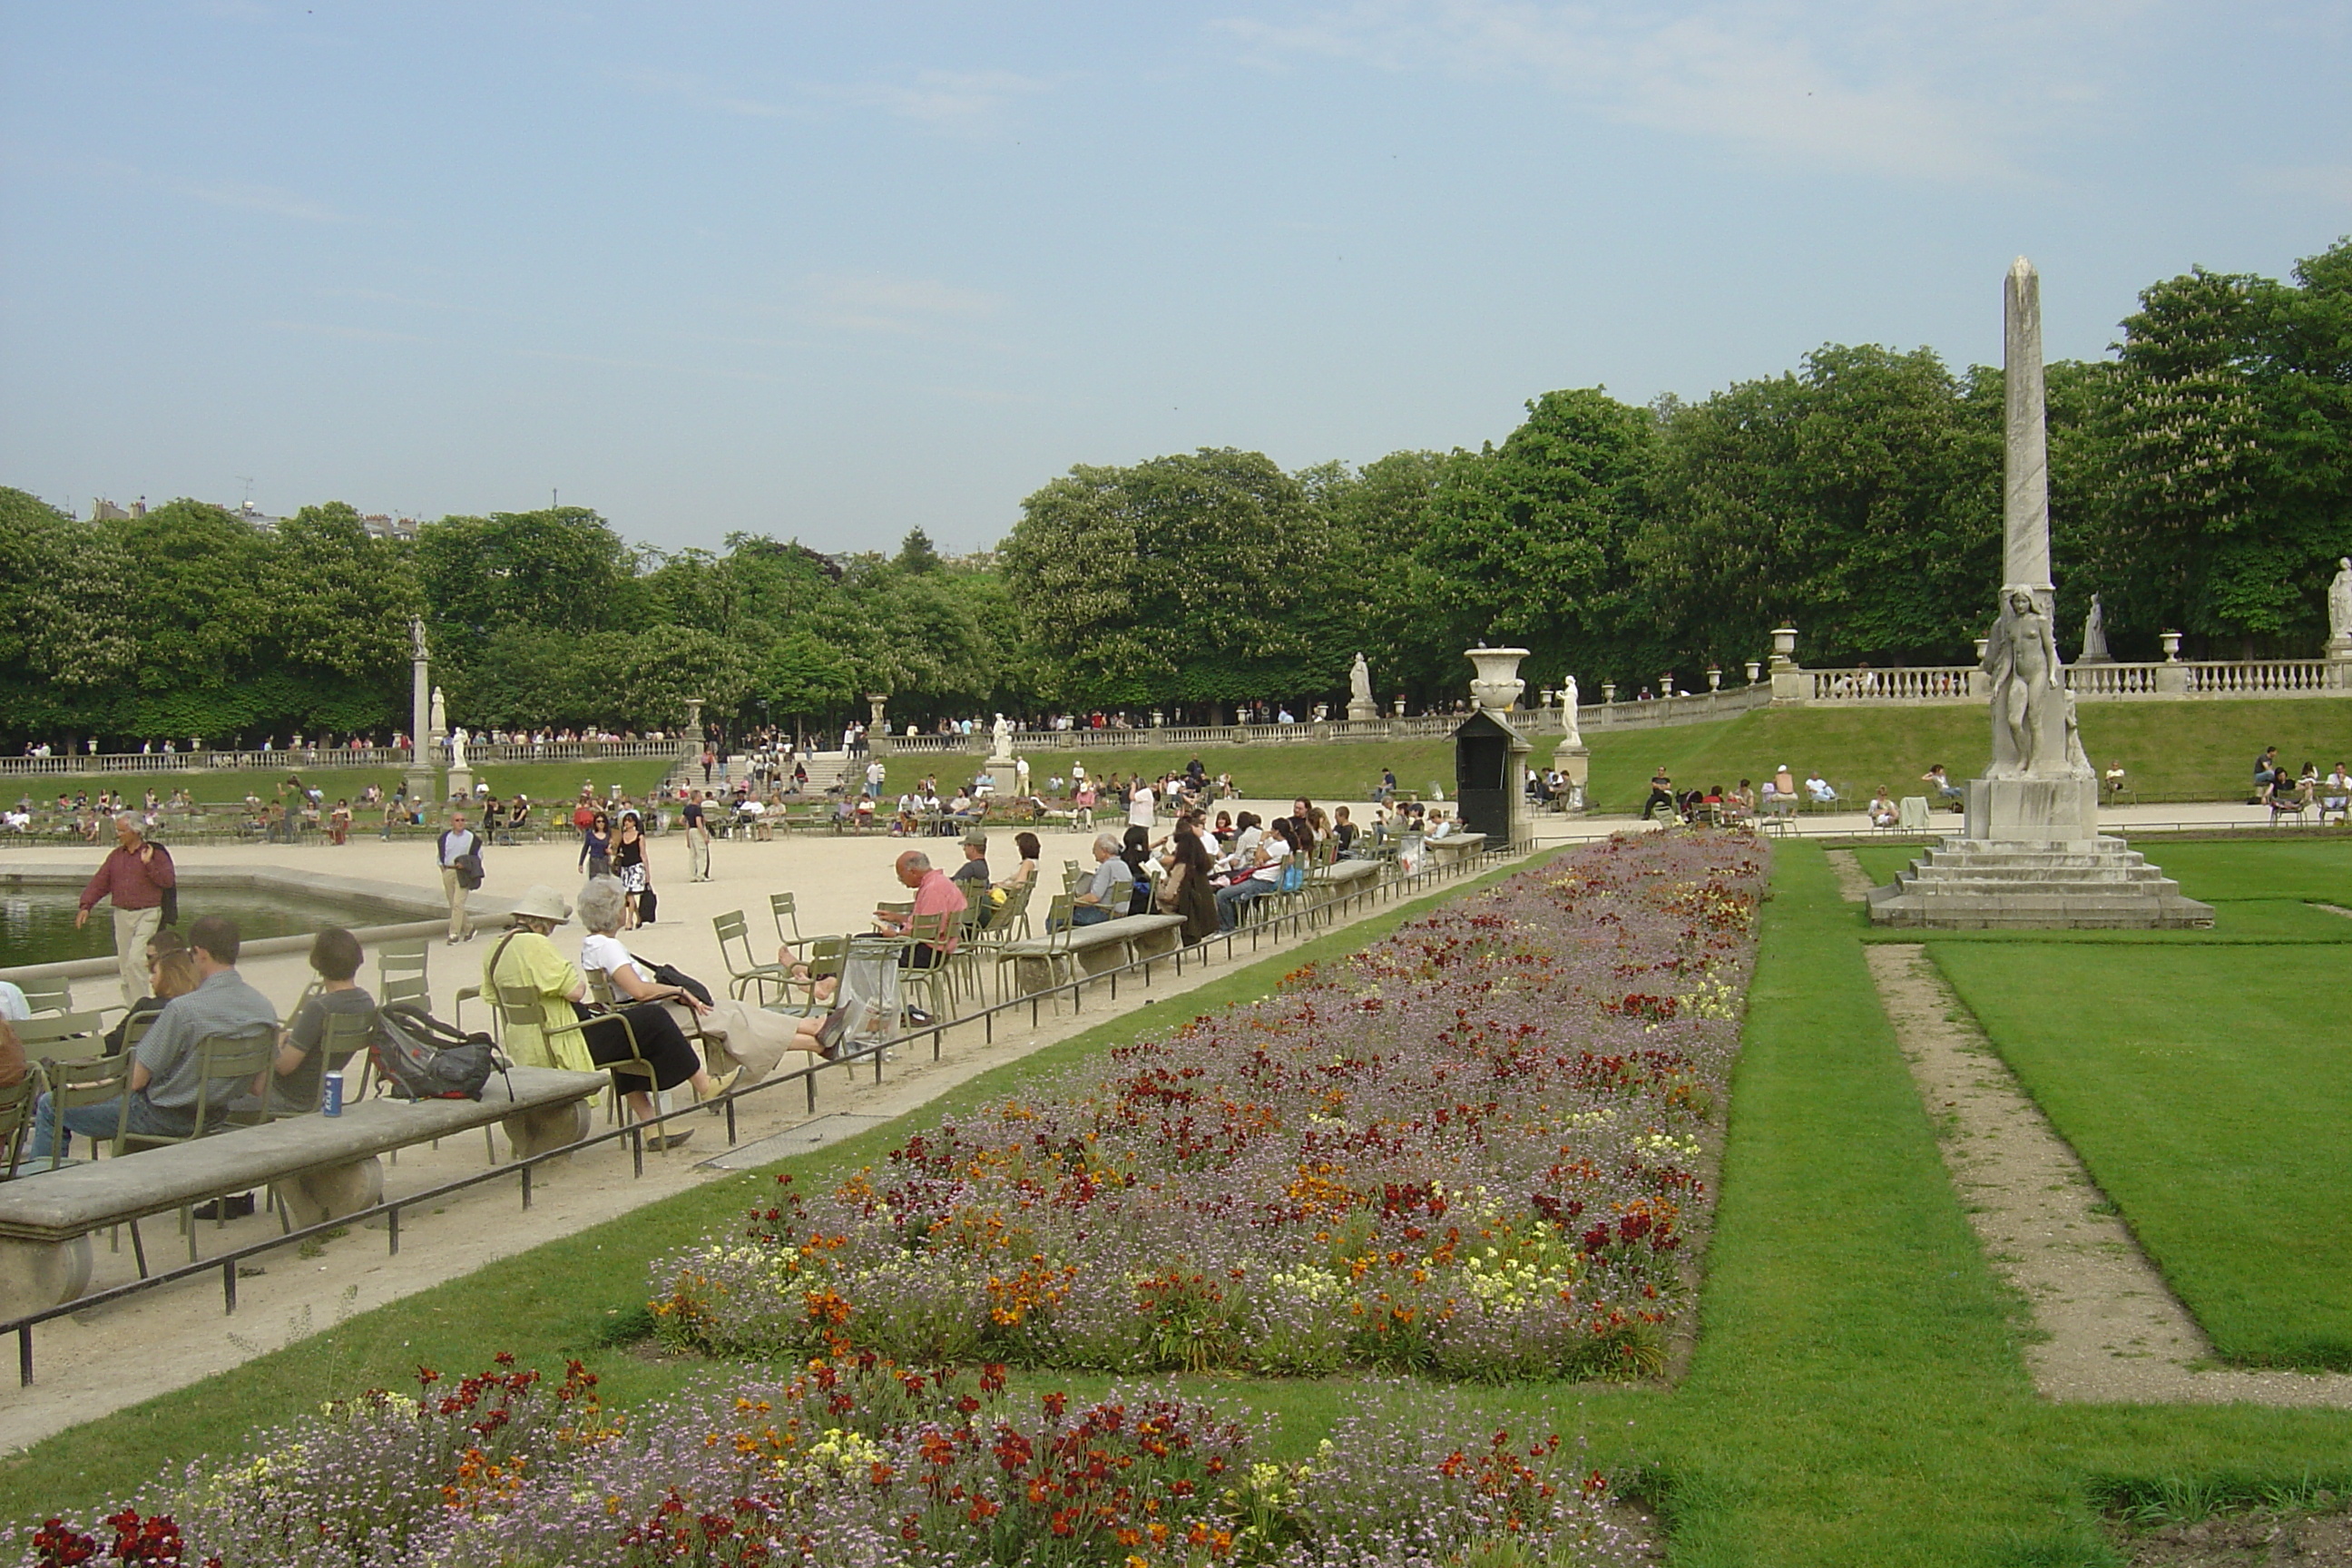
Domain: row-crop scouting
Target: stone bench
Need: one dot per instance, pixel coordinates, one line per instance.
(1459, 846)
(1106, 944)
(1345, 878)
(322, 1166)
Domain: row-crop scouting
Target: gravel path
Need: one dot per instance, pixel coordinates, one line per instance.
(2114, 1331)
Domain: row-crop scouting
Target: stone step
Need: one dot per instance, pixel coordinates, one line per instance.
(1995, 877)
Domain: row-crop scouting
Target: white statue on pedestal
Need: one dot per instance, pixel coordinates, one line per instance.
(2339, 604)
(1567, 713)
(457, 738)
(440, 714)
(2022, 664)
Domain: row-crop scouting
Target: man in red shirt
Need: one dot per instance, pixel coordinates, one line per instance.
(935, 895)
(135, 875)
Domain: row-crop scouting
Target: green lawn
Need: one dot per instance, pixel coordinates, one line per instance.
(2206, 1089)
(540, 781)
(2261, 890)
(1856, 1396)
(2172, 750)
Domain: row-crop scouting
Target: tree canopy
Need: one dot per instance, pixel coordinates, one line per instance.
(2201, 481)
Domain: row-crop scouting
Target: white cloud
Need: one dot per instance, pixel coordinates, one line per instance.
(266, 199)
(1917, 88)
(875, 302)
(946, 101)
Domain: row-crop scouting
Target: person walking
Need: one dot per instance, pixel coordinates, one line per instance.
(460, 850)
(136, 876)
(697, 838)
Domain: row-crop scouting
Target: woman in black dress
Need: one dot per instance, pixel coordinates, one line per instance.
(596, 846)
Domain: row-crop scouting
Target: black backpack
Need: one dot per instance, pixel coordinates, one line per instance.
(424, 1058)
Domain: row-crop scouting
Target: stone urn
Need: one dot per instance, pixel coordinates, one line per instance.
(1498, 684)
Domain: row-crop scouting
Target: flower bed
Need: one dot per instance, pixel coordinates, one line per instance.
(1471, 1148)
(856, 1463)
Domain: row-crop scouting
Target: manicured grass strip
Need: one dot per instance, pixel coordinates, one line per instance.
(1857, 1396)
(2217, 870)
(580, 1295)
(2206, 1091)
(540, 781)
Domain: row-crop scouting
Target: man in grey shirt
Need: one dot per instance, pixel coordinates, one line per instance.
(165, 1072)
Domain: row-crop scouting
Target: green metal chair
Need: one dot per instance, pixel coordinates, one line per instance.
(520, 1005)
(48, 996)
(400, 974)
(744, 968)
(221, 1060)
(67, 1037)
(786, 910)
(16, 1114)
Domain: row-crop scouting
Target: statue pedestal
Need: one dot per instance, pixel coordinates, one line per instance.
(2339, 662)
(1574, 760)
(1362, 710)
(2032, 859)
(461, 783)
(2033, 811)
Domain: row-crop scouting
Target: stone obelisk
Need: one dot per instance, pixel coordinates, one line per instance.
(419, 776)
(2025, 452)
(2032, 855)
(2040, 789)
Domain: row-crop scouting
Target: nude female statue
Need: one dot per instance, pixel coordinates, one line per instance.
(2021, 663)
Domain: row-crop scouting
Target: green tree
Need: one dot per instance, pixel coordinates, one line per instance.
(1858, 500)
(1180, 578)
(1526, 543)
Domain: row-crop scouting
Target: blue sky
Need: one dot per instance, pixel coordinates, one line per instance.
(841, 271)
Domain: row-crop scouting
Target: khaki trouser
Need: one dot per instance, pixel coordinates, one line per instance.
(133, 927)
(697, 844)
(454, 892)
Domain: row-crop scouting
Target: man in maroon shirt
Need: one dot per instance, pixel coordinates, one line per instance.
(134, 875)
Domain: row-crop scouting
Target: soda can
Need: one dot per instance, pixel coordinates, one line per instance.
(334, 1105)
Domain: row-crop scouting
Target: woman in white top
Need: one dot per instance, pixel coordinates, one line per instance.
(1143, 806)
(601, 907)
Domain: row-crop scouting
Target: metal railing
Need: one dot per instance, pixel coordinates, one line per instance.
(1301, 916)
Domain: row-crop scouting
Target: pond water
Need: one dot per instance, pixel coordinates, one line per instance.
(36, 922)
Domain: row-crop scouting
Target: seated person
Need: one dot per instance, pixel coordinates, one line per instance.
(2336, 793)
(1343, 833)
(165, 1072)
(1947, 790)
(1256, 872)
(935, 895)
(2306, 783)
(182, 980)
(1818, 789)
(1662, 791)
(2279, 795)
(1107, 891)
(972, 878)
(526, 959)
(299, 1072)
(1881, 809)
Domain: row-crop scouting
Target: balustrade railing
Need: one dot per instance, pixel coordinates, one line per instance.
(2259, 677)
(2114, 680)
(1900, 683)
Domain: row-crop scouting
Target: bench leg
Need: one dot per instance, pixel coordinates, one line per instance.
(536, 1132)
(34, 1275)
(330, 1191)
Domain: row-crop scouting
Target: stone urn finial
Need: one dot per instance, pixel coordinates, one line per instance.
(1498, 684)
